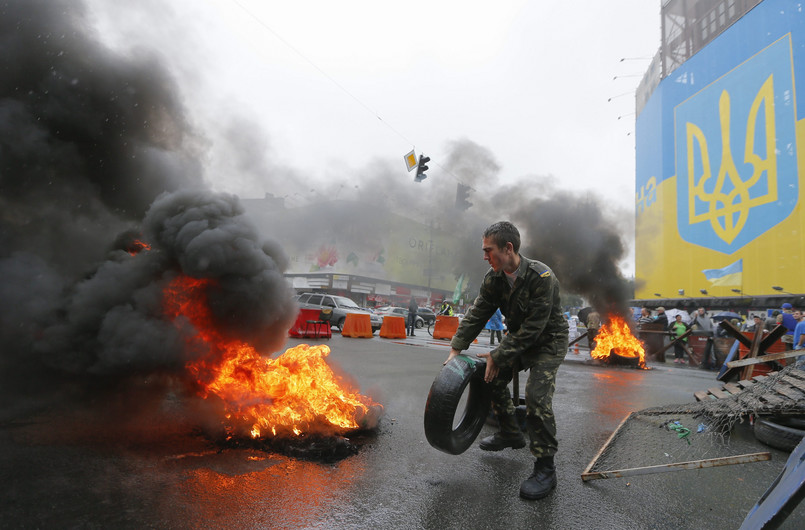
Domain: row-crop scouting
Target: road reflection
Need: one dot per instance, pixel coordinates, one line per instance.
(619, 392)
(254, 488)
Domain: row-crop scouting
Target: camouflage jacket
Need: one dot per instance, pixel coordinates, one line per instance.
(532, 309)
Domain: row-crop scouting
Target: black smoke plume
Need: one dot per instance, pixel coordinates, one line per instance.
(96, 151)
(578, 238)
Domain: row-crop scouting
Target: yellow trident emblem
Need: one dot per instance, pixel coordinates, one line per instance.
(729, 203)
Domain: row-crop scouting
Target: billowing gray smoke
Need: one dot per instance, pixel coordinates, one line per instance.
(95, 150)
(113, 322)
(578, 241)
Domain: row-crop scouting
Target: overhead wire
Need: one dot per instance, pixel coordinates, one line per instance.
(337, 84)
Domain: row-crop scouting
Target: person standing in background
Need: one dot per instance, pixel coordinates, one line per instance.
(495, 326)
(678, 328)
(412, 311)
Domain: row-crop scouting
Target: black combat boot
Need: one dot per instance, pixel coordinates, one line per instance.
(541, 481)
(500, 441)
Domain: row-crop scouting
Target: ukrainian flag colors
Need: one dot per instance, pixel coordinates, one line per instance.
(730, 275)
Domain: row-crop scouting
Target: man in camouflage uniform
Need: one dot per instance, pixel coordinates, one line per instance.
(527, 293)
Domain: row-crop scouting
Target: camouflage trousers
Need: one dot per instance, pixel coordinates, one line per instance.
(540, 421)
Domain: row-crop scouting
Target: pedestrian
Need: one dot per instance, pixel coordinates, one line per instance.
(771, 321)
(645, 317)
(703, 326)
(799, 335)
(572, 328)
(593, 325)
(495, 327)
(412, 311)
(790, 323)
(757, 322)
(678, 328)
(661, 318)
(527, 293)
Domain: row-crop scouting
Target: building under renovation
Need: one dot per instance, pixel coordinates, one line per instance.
(719, 163)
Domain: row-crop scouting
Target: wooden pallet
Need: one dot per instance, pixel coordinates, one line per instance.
(787, 393)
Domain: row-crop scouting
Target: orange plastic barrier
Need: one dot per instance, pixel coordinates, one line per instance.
(357, 325)
(300, 329)
(445, 327)
(393, 328)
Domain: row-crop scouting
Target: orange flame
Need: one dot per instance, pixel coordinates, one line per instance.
(137, 246)
(616, 336)
(295, 393)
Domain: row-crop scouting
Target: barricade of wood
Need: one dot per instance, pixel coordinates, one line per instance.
(787, 393)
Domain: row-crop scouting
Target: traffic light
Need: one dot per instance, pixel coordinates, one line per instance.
(462, 193)
(421, 168)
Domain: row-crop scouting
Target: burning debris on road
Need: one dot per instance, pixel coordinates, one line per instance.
(293, 395)
(616, 345)
(120, 268)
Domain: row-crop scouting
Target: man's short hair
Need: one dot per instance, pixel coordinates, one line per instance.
(504, 232)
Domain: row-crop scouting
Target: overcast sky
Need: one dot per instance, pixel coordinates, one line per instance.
(321, 90)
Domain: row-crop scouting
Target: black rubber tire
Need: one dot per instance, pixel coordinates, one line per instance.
(419, 324)
(779, 432)
(443, 400)
(340, 324)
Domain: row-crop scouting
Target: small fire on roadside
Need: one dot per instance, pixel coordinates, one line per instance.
(615, 340)
(296, 395)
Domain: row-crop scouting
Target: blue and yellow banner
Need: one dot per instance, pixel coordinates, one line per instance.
(719, 162)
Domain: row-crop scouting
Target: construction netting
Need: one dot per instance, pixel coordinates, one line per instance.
(700, 434)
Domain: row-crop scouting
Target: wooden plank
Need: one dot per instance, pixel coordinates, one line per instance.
(717, 392)
(793, 381)
(606, 444)
(578, 338)
(760, 378)
(732, 388)
(778, 331)
(665, 468)
(746, 383)
(772, 399)
(730, 328)
(799, 374)
(702, 395)
(668, 346)
(747, 361)
(754, 351)
(788, 391)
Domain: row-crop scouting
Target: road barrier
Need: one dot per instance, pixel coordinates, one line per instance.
(357, 325)
(393, 328)
(445, 327)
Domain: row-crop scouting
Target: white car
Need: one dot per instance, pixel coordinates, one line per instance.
(399, 312)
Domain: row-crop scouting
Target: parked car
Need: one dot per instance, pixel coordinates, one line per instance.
(341, 306)
(427, 315)
(400, 312)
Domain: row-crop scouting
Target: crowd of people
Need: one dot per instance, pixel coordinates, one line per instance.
(707, 325)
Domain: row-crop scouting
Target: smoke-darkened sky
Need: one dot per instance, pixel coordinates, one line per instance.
(306, 100)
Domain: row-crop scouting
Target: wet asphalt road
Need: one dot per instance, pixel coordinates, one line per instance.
(59, 470)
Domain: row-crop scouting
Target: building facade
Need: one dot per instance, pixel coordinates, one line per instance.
(719, 145)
